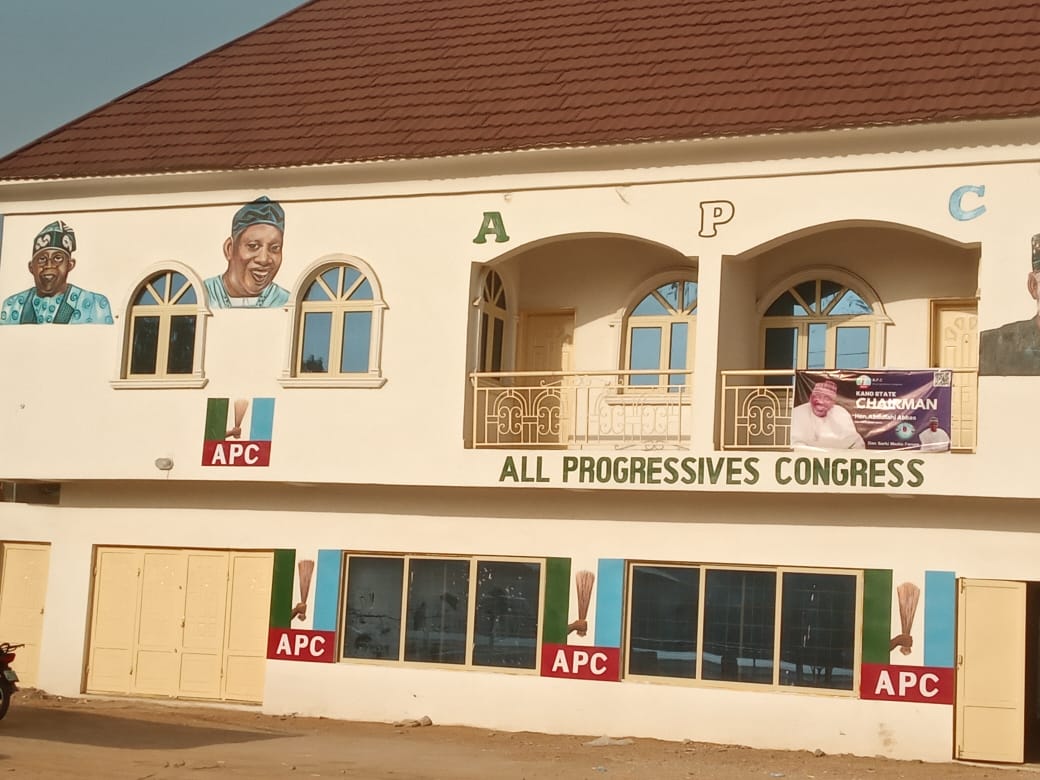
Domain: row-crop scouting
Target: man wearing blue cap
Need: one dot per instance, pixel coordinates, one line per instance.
(1014, 349)
(254, 255)
(52, 299)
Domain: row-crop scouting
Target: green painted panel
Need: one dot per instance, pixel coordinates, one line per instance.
(216, 419)
(877, 615)
(281, 588)
(557, 600)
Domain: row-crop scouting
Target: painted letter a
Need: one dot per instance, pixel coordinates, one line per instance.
(492, 223)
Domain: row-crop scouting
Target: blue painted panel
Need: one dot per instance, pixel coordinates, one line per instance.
(261, 423)
(940, 622)
(326, 589)
(609, 601)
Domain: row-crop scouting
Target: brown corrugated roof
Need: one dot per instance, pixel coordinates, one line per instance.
(352, 80)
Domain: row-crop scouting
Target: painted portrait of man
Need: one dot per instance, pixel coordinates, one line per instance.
(53, 299)
(1014, 349)
(253, 253)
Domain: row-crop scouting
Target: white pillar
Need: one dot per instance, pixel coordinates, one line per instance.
(705, 362)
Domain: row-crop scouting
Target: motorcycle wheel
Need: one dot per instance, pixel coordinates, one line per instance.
(5, 697)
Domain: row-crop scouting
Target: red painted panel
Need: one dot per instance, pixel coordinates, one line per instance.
(287, 644)
(921, 684)
(577, 662)
(236, 453)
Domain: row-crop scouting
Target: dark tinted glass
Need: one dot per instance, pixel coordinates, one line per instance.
(372, 621)
(145, 347)
(438, 604)
(739, 624)
(506, 632)
(817, 630)
(181, 356)
(663, 621)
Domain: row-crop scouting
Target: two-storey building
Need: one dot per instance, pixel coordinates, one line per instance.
(438, 359)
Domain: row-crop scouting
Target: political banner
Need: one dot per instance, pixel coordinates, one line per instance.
(873, 410)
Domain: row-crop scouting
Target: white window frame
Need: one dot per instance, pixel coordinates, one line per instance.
(160, 380)
(492, 286)
(297, 307)
(663, 322)
(775, 685)
(471, 617)
(876, 321)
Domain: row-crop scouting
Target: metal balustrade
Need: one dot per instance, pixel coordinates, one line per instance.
(577, 409)
(651, 409)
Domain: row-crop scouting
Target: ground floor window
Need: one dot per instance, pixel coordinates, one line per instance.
(743, 625)
(443, 610)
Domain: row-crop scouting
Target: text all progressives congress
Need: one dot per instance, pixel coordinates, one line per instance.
(676, 470)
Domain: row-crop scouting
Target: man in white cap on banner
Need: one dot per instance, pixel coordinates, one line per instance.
(933, 438)
(823, 425)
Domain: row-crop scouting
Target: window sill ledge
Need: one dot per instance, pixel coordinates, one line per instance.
(166, 383)
(333, 382)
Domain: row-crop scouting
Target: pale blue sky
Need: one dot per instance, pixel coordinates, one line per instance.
(59, 59)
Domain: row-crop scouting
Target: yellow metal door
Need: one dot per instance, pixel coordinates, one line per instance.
(180, 623)
(991, 663)
(113, 620)
(547, 342)
(23, 592)
(248, 615)
(956, 345)
(204, 616)
(161, 622)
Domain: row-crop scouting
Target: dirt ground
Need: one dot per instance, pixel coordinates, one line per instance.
(50, 737)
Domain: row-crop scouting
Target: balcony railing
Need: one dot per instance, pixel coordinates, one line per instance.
(756, 410)
(651, 409)
(576, 409)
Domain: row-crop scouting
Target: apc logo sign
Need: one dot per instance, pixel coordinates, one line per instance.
(288, 644)
(577, 662)
(238, 433)
(918, 684)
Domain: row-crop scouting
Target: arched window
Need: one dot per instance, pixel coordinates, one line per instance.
(660, 333)
(163, 329)
(821, 324)
(339, 326)
(492, 324)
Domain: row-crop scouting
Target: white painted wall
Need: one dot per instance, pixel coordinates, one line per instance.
(61, 419)
(417, 236)
(974, 538)
(917, 534)
(514, 702)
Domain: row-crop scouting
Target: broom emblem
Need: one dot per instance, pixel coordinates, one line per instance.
(908, 595)
(306, 569)
(583, 582)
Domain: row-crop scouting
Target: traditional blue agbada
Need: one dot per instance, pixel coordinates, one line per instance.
(75, 306)
(271, 297)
